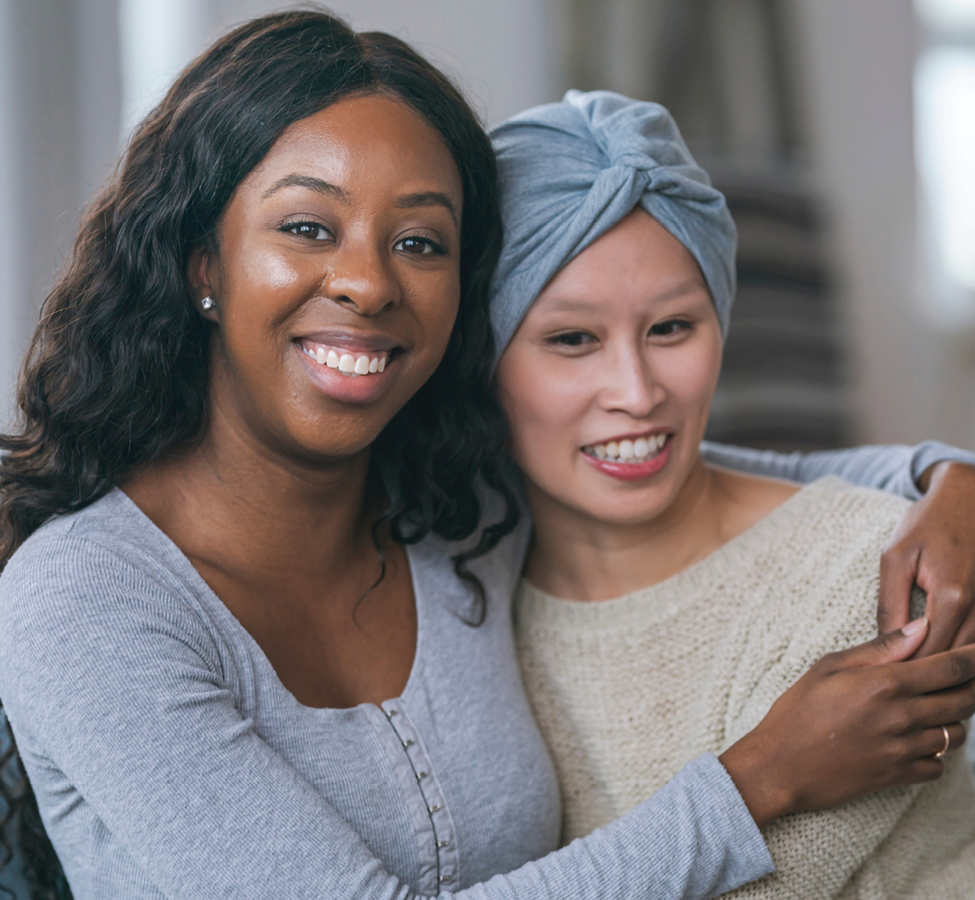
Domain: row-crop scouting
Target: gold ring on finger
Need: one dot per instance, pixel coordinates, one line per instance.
(944, 749)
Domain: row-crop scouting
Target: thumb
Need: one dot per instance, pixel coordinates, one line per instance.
(894, 646)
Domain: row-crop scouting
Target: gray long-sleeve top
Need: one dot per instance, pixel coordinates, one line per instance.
(170, 761)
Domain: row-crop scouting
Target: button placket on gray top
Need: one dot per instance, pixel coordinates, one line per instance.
(425, 802)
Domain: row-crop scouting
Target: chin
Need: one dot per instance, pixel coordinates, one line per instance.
(625, 514)
(619, 508)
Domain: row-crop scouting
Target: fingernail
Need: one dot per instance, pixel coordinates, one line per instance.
(915, 626)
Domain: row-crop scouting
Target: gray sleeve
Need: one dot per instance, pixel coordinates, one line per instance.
(894, 468)
(116, 682)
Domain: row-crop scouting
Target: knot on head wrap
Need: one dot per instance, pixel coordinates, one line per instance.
(571, 170)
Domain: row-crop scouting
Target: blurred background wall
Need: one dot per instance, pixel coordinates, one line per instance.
(843, 132)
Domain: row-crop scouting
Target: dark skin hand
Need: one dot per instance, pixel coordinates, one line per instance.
(934, 547)
(347, 234)
(858, 721)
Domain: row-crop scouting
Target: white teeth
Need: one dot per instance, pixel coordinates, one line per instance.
(346, 363)
(626, 450)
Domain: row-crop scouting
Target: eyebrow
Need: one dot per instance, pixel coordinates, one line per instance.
(408, 201)
(427, 198)
(305, 181)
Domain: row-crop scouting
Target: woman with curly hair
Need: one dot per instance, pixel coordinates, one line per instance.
(255, 637)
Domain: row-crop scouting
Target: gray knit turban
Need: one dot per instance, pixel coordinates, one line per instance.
(571, 170)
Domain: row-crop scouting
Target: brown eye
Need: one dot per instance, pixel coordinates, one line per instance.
(670, 328)
(311, 230)
(571, 339)
(418, 246)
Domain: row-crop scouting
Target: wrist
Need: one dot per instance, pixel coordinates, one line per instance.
(767, 795)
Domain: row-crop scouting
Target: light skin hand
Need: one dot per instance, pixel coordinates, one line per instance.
(934, 547)
(859, 721)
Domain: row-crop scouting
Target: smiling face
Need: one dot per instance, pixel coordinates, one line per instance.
(608, 381)
(336, 279)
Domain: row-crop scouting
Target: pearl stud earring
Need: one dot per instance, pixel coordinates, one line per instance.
(208, 303)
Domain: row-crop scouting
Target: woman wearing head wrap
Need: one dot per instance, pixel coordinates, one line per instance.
(667, 603)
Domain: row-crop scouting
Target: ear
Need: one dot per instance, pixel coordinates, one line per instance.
(200, 272)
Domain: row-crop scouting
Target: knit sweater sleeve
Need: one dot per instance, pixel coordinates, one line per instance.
(867, 845)
(114, 687)
(892, 468)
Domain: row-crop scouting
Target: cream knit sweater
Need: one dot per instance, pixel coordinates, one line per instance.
(628, 690)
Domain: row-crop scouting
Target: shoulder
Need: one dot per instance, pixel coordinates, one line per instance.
(107, 545)
(820, 554)
(864, 513)
(826, 512)
(828, 531)
(97, 580)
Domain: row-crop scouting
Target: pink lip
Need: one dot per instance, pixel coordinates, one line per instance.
(347, 388)
(631, 471)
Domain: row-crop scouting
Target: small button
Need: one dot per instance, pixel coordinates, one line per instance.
(408, 743)
(434, 808)
(420, 775)
(444, 878)
(442, 844)
(390, 713)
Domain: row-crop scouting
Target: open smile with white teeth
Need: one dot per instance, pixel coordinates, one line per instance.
(627, 451)
(347, 363)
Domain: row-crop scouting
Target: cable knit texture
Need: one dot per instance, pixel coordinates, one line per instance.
(628, 690)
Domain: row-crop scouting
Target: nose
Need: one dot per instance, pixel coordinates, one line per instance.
(629, 385)
(361, 279)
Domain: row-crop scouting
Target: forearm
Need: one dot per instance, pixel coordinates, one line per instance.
(691, 840)
(897, 469)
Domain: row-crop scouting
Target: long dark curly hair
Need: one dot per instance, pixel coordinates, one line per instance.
(116, 374)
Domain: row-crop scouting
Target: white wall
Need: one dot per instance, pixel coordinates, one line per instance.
(38, 162)
(504, 53)
(12, 289)
(857, 61)
(58, 140)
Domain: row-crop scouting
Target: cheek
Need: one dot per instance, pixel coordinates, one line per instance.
(270, 270)
(690, 375)
(436, 302)
(261, 289)
(544, 406)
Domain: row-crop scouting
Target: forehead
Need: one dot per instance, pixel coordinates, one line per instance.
(637, 256)
(370, 140)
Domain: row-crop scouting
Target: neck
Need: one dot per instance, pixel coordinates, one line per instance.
(234, 504)
(581, 558)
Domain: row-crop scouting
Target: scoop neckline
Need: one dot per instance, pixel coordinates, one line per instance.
(673, 593)
(189, 571)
